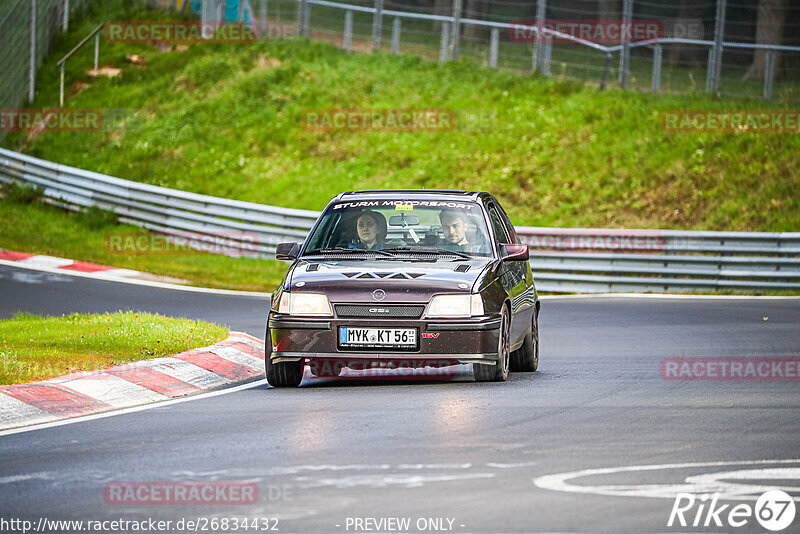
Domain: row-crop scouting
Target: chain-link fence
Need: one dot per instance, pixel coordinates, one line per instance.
(747, 48)
(28, 29)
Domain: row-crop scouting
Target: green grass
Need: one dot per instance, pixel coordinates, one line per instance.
(227, 120)
(35, 348)
(43, 229)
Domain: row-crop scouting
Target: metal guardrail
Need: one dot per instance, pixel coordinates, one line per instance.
(564, 260)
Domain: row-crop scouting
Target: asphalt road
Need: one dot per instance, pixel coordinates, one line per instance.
(332, 454)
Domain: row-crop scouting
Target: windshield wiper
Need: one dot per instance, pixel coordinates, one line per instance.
(429, 250)
(347, 250)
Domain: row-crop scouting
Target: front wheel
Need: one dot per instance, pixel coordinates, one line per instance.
(526, 358)
(499, 371)
(283, 374)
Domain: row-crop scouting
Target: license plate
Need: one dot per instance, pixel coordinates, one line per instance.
(356, 337)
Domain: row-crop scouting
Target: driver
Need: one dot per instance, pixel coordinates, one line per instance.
(454, 228)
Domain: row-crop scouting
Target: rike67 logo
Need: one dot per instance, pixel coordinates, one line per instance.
(774, 510)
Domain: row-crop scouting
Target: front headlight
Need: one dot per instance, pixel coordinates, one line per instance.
(455, 306)
(312, 304)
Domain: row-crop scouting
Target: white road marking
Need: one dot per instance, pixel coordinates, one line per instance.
(704, 483)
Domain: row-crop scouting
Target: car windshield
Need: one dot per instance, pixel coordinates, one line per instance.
(386, 229)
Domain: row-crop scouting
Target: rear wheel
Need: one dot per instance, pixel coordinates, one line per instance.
(499, 371)
(526, 358)
(283, 374)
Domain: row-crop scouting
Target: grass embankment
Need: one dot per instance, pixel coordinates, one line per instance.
(35, 348)
(227, 120)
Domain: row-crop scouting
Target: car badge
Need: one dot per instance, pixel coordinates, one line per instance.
(379, 294)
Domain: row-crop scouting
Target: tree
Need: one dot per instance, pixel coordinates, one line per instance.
(769, 31)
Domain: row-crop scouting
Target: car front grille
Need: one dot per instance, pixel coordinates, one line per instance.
(377, 310)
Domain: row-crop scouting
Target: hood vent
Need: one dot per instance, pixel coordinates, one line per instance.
(462, 268)
(312, 267)
(400, 276)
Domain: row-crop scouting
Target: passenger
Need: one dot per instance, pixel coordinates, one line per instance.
(454, 227)
(371, 229)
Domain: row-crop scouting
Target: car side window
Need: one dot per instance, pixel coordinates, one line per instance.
(499, 229)
(510, 230)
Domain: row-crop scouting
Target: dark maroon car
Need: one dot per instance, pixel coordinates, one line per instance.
(405, 279)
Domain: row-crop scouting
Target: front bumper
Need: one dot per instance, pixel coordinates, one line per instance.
(441, 341)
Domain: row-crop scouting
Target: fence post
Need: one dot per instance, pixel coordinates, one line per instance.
(710, 70)
(262, 19)
(396, 35)
(719, 34)
(302, 20)
(32, 72)
(347, 40)
(548, 52)
(377, 25)
(65, 25)
(769, 74)
(443, 46)
(606, 71)
(657, 55)
(455, 36)
(541, 13)
(96, 51)
(495, 41)
(625, 53)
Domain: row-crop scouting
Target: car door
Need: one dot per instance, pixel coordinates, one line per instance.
(512, 275)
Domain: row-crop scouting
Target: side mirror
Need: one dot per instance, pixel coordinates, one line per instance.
(514, 252)
(287, 251)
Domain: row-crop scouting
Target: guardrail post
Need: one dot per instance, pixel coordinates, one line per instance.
(541, 13)
(769, 74)
(625, 53)
(547, 53)
(32, 72)
(302, 19)
(396, 35)
(719, 34)
(377, 25)
(443, 46)
(493, 46)
(65, 23)
(347, 39)
(657, 55)
(455, 35)
(96, 51)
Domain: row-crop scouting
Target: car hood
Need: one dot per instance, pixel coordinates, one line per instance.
(401, 281)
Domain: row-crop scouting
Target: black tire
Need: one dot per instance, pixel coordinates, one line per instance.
(526, 358)
(283, 374)
(499, 371)
(325, 368)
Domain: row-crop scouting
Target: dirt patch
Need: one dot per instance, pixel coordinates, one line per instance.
(109, 72)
